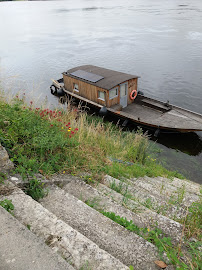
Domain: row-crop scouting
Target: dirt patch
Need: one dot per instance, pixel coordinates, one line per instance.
(6, 190)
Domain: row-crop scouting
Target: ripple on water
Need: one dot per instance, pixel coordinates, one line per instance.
(63, 10)
(194, 36)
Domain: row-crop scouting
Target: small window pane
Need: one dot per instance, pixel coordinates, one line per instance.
(101, 95)
(113, 93)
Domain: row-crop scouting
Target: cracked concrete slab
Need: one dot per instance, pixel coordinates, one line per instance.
(144, 217)
(20, 249)
(124, 245)
(62, 238)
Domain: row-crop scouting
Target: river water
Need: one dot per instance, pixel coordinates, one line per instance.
(159, 40)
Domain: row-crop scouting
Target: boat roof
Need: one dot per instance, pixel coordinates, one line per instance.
(98, 76)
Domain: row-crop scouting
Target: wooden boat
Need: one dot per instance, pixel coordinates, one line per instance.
(116, 93)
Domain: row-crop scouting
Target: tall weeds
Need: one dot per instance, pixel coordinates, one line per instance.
(49, 141)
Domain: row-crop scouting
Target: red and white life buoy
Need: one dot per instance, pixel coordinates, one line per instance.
(133, 94)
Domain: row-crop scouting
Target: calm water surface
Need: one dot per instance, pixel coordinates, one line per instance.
(161, 41)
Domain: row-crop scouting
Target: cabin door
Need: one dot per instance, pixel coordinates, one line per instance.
(124, 95)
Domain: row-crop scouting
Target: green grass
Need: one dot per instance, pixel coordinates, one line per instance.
(7, 204)
(193, 221)
(2, 177)
(35, 189)
(51, 141)
(33, 143)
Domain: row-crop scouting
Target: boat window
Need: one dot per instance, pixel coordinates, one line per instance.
(113, 93)
(101, 95)
(76, 87)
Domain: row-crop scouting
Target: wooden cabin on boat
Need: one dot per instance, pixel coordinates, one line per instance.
(104, 86)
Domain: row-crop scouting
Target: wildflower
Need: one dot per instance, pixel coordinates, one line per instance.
(72, 132)
(148, 229)
(76, 129)
(31, 102)
(69, 128)
(51, 125)
(70, 136)
(62, 127)
(63, 171)
(17, 96)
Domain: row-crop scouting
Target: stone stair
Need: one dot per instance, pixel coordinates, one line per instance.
(110, 236)
(20, 249)
(170, 204)
(142, 217)
(168, 190)
(74, 247)
(84, 237)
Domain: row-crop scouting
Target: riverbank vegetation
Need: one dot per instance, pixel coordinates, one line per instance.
(70, 141)
(47, 141)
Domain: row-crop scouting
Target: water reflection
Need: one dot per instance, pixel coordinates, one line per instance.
(189, 143)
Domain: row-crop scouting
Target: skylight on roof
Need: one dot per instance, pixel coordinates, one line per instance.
(88, 76)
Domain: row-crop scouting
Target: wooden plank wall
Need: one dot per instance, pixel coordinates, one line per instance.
(90, 91)
(86, 90)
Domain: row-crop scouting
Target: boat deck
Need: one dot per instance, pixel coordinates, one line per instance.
(176, 118)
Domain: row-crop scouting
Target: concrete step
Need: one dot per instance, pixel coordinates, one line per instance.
(144, 217)
(165, 189)
(190, 187)
(124, 245)
(22, 250)
(143, 196)
(74, 247)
